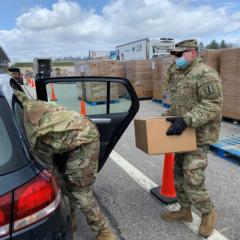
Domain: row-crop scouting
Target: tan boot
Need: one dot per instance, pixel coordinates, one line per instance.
(182, 215)
(106, 234)
(208, 223)
(74, 221)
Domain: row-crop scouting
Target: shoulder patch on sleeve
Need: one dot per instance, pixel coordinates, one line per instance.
(211, 90)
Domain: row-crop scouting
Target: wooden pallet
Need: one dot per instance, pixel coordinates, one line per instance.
(157, 100)
(228, 148)
(144, 98)
(231, 120)
(101, 102)
(166, 105)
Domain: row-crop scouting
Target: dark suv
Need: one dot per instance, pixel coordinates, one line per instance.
(32, 205)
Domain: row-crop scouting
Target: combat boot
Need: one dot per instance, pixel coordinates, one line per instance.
(182, 215)
(208, 223)
(74, 221)
(106, 234)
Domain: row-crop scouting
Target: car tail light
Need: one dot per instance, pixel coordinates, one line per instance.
(5, 213)
(35, 200)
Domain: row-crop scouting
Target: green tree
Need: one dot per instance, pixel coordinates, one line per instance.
(213, 45)
(231, 45)
(223, 44)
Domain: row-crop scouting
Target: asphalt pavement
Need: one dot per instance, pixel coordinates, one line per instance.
(134, 213)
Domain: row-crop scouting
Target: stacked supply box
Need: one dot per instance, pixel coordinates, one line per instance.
(87, 68)
(212, 58)
(139, 72)
(96, 92)
(109, 68)
(106, 68)
(230, 75)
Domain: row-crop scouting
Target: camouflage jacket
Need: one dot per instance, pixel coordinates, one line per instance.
(42, 118)
(169, 79)
(196, 94)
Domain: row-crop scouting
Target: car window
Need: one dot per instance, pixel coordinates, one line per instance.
(5, 144)
(18, 110)
(12, 155)
(94, 95)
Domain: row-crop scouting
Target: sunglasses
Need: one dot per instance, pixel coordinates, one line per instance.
(179, 54)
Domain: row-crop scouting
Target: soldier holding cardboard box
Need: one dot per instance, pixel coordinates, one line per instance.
(196, 98)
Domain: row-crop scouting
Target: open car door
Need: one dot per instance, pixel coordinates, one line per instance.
(110, 102)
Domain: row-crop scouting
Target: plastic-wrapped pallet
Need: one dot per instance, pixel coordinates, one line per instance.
(87, 68)
(139, 72)
(97, 92)
(110, 68)
(104, 68)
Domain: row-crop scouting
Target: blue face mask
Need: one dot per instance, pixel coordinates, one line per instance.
(181, 63)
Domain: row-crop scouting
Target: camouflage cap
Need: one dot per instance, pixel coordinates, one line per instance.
(184, 45)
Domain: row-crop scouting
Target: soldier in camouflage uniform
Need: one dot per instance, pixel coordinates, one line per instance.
(68, 144)
(196, 101)
(169, 81)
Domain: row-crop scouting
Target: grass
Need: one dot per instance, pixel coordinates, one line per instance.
(54, 64)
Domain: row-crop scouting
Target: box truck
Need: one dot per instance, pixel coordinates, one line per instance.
(146, 48)
(42, 67)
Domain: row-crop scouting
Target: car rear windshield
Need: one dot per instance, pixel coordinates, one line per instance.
(12, 154)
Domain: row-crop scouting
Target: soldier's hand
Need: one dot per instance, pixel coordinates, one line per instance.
(177, 126)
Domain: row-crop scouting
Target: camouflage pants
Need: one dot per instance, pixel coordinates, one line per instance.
(76, 171)
(189, 174)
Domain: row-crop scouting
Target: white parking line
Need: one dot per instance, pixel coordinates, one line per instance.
(147, 184)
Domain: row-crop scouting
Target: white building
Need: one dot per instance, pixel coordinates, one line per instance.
(146, 48)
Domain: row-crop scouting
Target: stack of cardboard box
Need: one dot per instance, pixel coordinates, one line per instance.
(110, 68)
(87, 68)
(139, 72)
(230, 75)
(212, 58)
(105, 68)
(97, 92)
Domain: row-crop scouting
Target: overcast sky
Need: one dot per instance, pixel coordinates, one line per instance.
(37, 28)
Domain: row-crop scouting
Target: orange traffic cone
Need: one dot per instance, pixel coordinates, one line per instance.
(166, 193)
(33, 84)
(29, 81)
(53, 97)
(83, 107)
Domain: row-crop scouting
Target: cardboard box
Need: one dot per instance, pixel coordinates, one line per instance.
(150, 136)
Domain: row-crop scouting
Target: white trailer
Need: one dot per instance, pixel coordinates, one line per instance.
(146, 48)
